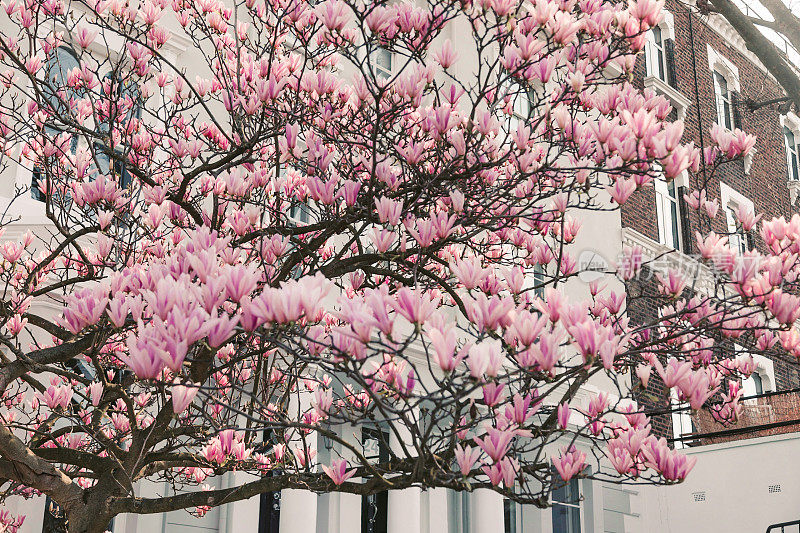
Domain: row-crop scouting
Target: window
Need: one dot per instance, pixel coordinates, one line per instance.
(269, 512)
(458, 509)
(57, 68)
(58, 96)
(55, 518)
(659, 62)
(725, 76)
(567, 507)
(511, 516)
(682, 423)
(269, 505)
(791, 154)
(538, 281)
(724, 102)
(521, 104)
(754, 385)
(375, 507)
(382, 60)
(657, 54)
(738, 239)
(125, 107)
(299, 214)
(763, 376)
(668, 213)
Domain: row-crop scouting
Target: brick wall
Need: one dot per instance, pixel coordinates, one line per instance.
(765, 184)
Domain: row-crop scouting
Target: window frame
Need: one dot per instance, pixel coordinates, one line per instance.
(790, 123)
(519, 96)
(459, 507)
(512, 516)
(668, 204)
(380, 501)
(574, 525)
(652, 47)
(731, 200)
(382, 72)
(792, 162)
(723, 69)
(656, 56)
(724, 101)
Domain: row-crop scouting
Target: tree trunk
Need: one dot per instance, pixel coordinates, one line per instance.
(88, 520)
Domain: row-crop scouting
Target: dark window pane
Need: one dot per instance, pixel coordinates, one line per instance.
(759, 384)
(375, 507)
(509, 516)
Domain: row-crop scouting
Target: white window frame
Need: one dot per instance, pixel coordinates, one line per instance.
(381, 71)
(791, 122)
(764, 369)
(665, 202)
(680, 103)
(579, 506)
(726, 70)
(723, 101)
(681, 420)
(520, 106)
(731, 200)
(666, 28)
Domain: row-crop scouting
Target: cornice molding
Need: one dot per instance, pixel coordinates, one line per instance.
(679, 101)
(660, 258)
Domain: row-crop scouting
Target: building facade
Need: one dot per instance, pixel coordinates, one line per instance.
(701, 66)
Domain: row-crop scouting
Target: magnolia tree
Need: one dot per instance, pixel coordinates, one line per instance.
(265, 238)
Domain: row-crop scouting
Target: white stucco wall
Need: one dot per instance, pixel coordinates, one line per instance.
(732, 482)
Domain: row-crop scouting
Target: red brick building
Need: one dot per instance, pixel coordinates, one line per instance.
(702, 66)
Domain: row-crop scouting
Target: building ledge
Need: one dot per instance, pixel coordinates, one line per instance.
(794, 190)
(679, 102)
(660, 258)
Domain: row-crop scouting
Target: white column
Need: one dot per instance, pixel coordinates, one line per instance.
(486, 512)
(242, 516)
(404, 511)
(349, 513)
(434, 519)
(299, 507)
(404, 506)
(298, 511)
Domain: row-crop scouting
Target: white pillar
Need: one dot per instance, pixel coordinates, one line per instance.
(434, 517)
(298, 506)
(298, 511)
(349, 513)
(486, 511)
(242, 516)
(404, 511)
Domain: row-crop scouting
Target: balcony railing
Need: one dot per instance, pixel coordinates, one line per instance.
(769, 414)
(785, 527)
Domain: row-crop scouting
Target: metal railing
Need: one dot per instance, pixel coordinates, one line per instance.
(793, 526)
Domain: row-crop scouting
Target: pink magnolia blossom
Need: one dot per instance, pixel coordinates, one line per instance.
(466, 458)
(182, 396)
(496, 443)
(563, 415)
(415, 305)
(338, 471)
(569, 463)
